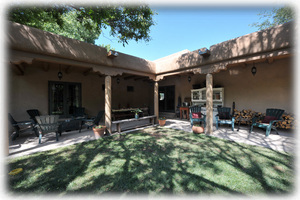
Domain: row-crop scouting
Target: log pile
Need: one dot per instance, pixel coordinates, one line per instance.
(288, 122)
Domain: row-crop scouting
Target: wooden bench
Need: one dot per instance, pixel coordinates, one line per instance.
(119, 122)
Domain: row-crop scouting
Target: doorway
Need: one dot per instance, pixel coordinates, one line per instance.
(63, 98)
(167, 98)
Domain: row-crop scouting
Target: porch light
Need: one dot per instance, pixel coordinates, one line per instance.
(253, 70)
(189, 79)
(118, 80)
(59, 74)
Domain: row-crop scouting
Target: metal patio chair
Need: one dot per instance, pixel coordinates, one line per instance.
(268, 122)
(224, 117)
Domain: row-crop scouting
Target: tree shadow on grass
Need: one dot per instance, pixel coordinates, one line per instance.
(152, 161)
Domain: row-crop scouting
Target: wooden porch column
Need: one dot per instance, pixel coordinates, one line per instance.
(108, 103)
(156, 110)
(209, 104)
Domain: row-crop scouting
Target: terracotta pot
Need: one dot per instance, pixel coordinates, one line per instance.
(162, 122)
(99, 132)
(198, 129)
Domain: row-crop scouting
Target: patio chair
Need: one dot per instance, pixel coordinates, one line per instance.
(94, 121)
(47, 124)
(273, 116)
(33, 113)
(196, 115)
(16, 126)
(224, 117)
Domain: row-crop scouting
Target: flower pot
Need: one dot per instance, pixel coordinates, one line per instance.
(136, 115)
(198, 129)
(99, 132)
(162, 122)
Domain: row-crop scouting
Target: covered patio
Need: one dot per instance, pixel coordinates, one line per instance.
(105, 82)
(27, 143)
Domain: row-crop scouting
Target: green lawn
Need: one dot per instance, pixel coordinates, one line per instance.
(155, 161)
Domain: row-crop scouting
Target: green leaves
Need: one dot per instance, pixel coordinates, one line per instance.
(86, 23)
(274, 17)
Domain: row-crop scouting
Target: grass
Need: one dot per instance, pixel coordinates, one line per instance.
(155, 161)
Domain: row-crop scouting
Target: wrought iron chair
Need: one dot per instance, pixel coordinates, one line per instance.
(196, 115)
(269, 121)
(94, 121)
(224, 117)
(16, 126)
(47, 124)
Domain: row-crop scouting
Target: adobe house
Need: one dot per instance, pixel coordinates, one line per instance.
(94, 80)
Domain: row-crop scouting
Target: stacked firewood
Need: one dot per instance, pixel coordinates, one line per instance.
(245, 114)
(288, 121)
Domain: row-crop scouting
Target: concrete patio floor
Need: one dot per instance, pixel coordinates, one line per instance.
(27, 143)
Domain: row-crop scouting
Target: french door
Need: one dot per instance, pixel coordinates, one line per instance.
(167, 98)
(63, 98)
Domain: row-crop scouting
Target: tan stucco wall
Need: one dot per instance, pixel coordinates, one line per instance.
(261, 44)
(31, 91)
(271, 87)
(142, 96)
(28, 39)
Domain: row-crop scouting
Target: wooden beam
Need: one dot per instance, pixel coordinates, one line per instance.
(107, 105)
(270, 60)
(156, 103)
(209, 104)
(129, 77)
(18, 68)
(139, 78)
(86, 72)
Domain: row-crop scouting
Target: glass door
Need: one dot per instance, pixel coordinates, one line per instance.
(63, 98)
(167, 98)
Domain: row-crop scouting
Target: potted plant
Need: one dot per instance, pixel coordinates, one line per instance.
(99, 131)
(197, 129)
(162, 121)
(137, 111)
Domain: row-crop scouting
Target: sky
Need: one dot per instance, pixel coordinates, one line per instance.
(189, 28)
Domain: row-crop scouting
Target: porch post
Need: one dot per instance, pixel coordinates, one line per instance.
(209, 104)
(108, 103)
(156, 110)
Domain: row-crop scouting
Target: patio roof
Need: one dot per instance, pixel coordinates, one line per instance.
(27, 43)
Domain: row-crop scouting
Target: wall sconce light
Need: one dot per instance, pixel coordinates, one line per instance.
(253, 70)
(118, 80)
(59, 74)
(189, 79)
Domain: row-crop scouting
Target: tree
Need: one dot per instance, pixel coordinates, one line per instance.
(274, 17)
(85, 23)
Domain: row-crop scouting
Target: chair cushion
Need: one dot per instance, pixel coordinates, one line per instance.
(224, 115)
(196, 115)
(267, 119)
